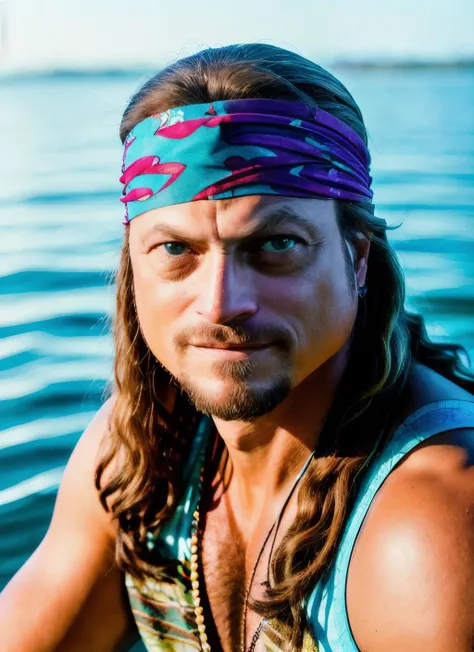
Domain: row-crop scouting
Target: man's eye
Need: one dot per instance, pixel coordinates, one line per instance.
(175, 248)
(279, 244)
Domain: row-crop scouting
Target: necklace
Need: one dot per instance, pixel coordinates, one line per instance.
(195, 534)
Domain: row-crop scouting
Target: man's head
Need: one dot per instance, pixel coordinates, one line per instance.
(207, 273)
(270, 278)
(208, 276)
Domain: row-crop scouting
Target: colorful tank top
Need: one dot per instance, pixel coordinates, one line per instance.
(163, 608)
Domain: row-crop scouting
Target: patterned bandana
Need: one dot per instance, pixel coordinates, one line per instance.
(242, 147)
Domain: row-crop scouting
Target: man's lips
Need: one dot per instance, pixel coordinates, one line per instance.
(229, 347)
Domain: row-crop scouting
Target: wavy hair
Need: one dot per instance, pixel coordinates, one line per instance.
(152, 443)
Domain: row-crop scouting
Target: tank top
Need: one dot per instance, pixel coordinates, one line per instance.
(163, 607)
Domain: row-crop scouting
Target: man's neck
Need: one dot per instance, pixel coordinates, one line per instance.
(265, 455)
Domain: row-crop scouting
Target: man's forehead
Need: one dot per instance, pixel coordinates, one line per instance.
(239, 216)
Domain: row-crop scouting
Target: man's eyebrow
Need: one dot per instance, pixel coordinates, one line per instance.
(282, 217)
(268, 223)
(166, 230)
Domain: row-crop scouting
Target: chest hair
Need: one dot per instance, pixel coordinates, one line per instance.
(223, 561)
(228, 559)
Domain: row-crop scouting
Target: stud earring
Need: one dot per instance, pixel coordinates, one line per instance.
(362, 291)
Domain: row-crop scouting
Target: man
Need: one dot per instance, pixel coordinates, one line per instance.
(285, 460)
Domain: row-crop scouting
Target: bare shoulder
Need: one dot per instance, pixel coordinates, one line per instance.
(78, 483)
(427, 386)
(94, 441)
(79, 519)
(411, 578)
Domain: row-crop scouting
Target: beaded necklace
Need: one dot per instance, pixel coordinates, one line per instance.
(196, 534)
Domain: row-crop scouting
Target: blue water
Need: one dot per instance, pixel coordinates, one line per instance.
(61, 231)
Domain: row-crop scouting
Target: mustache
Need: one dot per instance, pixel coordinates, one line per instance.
(210, 334)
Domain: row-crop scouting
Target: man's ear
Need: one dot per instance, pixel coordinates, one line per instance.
(359, 248)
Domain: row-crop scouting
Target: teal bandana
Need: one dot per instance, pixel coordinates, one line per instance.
(242, 147)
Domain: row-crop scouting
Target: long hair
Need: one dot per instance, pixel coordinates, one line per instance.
(151, 443)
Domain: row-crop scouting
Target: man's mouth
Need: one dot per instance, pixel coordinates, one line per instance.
(229, 351)
(231, 346)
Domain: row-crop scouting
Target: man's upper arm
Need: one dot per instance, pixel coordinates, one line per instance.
(73, 564)
(411, 579)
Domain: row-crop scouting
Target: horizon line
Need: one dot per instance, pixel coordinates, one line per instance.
(106, 69)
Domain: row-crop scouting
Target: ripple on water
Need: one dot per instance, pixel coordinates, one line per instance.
(61, 236)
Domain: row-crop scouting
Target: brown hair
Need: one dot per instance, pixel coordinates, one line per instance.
(143, 491)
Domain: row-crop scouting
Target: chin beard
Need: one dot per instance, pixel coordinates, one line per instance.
(243, 403)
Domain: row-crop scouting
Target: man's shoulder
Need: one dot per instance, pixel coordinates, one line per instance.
(411, 578)
(427, 386)
(77, 488)
(95, 439)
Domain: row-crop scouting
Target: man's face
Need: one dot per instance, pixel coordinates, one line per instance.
(242, 299)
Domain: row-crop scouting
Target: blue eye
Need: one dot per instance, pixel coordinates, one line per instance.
(279, 244)
(175, 248)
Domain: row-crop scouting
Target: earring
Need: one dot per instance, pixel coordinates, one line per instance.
(362, 291)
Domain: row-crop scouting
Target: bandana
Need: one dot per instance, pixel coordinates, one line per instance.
(242, 147)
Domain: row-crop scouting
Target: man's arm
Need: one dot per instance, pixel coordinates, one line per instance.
(69, 595)
(411, 579)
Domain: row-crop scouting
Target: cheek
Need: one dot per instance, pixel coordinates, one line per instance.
(158, 308)
(333, 311)
(321, 308)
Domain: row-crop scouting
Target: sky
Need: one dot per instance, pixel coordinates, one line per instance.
(114, 33)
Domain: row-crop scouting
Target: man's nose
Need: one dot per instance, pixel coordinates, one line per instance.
(226, 292)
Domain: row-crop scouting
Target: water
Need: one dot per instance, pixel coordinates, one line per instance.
(61, 232)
